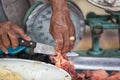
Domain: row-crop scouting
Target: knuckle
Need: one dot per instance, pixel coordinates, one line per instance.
(9, 22)
(21, 31)
(59, 40)
(1, 32)
(60, 44)
(64, 51)
(15, 45)
(14, 37)
(7, 44)
(15, 42)
(66, 45)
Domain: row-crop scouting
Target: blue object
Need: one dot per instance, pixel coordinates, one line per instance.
(12, 51)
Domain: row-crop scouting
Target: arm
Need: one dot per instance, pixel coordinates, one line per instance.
(61, 26)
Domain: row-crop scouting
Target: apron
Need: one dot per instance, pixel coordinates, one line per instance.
(15, 10)
(3, 17)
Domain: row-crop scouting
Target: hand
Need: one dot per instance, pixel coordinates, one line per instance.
(62, 29)
(8, 35)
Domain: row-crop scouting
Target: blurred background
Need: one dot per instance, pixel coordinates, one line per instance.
(109, 38)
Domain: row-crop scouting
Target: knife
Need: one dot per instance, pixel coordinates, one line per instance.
(42, 48)
(80, 62)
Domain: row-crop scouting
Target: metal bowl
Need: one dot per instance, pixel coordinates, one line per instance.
(34, 70)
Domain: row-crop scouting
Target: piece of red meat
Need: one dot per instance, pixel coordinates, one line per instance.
(61, 61)
(114, 76)
(99, 75)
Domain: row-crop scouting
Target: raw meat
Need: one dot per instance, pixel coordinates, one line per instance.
(61, 61)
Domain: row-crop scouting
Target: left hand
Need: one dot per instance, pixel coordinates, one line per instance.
(63, 31)
(8, 35)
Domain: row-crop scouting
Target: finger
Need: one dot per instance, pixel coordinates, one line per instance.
(59, 42)
(5, 40)
(2, 47)
(20, 31)
(66, 42)
(13, 38)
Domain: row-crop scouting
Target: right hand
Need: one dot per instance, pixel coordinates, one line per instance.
(8, 35)
(62, 29)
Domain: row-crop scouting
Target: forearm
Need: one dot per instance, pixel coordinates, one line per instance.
(59, 6)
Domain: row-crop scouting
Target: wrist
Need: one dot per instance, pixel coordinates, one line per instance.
(60, 5)
(64, 10)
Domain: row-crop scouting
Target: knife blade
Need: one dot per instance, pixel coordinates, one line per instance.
(42, 48)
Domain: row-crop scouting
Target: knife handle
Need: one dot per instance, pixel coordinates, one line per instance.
(23, 42)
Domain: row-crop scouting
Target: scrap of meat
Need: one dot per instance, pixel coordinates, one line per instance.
(99, 75)
(95, 75)
(114, 76)
(88, 74)
(61, 61)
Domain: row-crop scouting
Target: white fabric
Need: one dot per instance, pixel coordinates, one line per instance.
(15, 10)
(112, 5)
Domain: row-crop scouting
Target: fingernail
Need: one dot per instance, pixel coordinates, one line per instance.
(14, 47)
(28, 38)
(6, 52)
